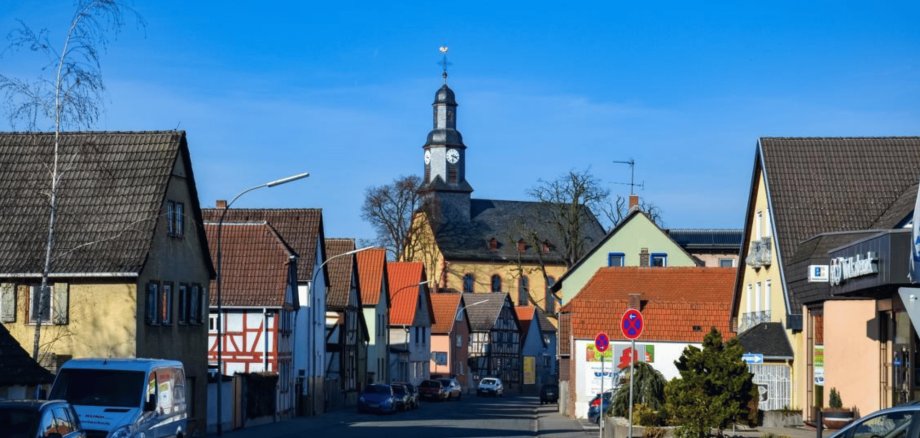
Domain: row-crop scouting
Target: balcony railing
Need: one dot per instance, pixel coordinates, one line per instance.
(760, 253)
(751, 319)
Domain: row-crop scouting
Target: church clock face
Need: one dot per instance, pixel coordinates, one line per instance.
(453, 156)
(427, 157)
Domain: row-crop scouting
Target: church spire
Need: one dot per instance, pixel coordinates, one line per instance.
(444, 63)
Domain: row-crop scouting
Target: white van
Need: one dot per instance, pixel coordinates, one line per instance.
(125, 398)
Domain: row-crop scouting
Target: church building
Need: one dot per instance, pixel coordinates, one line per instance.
(484, 245)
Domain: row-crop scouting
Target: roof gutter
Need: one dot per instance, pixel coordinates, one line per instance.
(72, 275)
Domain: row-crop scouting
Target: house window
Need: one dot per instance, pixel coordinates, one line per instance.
(659, 259)
(459, 342)
(175, 219)
(726, 263)
(758, 225)
(166, 301)
(468, 280)
(750, 293)
(757, 307)
(549, 302)
(212, 323)
(616, 259)
(195, 305)
(768, 290)
(44, 313)
(496, 283)
(153, 301)
(184, 301)
(523, 291)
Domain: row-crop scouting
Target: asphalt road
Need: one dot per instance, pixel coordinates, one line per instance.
(472, 416)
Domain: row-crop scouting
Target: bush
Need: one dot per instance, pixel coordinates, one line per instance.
(654, 432)
(643, 415)
(648, 390)
(834, 400)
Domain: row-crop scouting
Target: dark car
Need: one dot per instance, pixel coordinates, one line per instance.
(549, 393)
(401, 396)
(432, 390)
(412, 391)
(39, 418)
(453, 388)
(595, 408)
(377, 398)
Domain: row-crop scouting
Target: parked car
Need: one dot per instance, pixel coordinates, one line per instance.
(453, 388)
(897, 422)
(39, 418)
(595, 408)
(491, 386)
(401, 396)
(412, 391)
(432, 390)
(125, 397)
(377, 398)
(549, 393)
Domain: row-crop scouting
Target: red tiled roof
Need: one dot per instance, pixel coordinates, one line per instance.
(680, 304)
(445, 307)
(525, 315)
(404, 279)
(339, 269)
(255, 265)
(371, 273)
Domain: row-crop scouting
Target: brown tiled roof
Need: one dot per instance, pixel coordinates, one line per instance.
(255, 263)
(301, 228)
(820, 185)
(679, 304)
(111, 194)
(445, 306)
(17, 367)
(404, 279)
(340, 269)
(372, 274)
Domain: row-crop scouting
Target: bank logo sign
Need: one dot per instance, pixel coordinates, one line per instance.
(845, 268)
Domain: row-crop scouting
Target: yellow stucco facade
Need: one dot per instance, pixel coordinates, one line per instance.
(762, 292)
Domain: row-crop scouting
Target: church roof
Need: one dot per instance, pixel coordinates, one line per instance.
(508, 222)
(445, 95)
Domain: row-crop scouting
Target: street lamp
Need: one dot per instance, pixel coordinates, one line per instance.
(220, 224)
(314, 319)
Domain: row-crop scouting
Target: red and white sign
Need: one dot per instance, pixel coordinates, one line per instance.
(601, 342)
(632, 324)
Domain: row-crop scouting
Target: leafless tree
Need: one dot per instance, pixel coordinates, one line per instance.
(572, 198)
(390, 209)
(67, 95)
(616, 211)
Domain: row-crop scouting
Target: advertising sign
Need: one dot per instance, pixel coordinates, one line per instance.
(593, 374)
(592, 355)
(530, 372)
(644, 353)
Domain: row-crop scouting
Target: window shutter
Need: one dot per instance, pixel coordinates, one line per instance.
(7, 302)
(61, 303)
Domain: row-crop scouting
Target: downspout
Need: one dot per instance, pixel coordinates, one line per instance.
(265, 330)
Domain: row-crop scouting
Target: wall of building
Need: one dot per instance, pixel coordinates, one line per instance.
(713, 260)
(509, 273)
(851, 356)
(636, 234)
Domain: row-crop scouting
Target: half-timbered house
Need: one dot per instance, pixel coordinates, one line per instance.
(495, 341)
(346, 333)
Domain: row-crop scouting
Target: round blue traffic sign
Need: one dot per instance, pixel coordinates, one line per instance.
(601, 342)
(632, 324)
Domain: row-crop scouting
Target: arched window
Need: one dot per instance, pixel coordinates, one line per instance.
(549, 303)
(468, 281)
(523, 291)
(496, 283)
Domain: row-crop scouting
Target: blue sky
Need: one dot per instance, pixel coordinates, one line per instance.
(345, 91)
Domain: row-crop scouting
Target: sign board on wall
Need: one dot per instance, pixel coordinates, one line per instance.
(818, 274)
(530, 373)
(592, 355)
(594, 375)
(819, 365)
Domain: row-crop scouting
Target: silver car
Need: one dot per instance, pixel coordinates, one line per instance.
(897, 422)
(491, 386)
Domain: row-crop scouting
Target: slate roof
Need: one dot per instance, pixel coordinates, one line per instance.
(17, 367)
(507, 222)
(814, 251)
(768, 339)
(404, 279)
(679, 304)
(301, 228)
(820, 185)
(340, 269)
(111, 193)
(255, 262)
(483, 316)
(445, 306)
(372, 274)
(707, 239)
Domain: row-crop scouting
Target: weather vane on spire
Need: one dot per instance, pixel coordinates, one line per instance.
(444, 63)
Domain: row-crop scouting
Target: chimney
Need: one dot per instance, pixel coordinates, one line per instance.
(635, 301)
(221, 204)
(644, 257)
(633, 201)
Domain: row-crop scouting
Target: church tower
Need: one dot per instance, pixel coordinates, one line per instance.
(444, 154)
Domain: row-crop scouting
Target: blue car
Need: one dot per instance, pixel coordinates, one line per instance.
(377, 398)
(595, 406)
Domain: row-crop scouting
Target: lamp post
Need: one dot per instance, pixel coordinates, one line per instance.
(313, 321)
(220, 224)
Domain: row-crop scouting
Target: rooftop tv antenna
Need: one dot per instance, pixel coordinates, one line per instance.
(632, 176)
(444, 63)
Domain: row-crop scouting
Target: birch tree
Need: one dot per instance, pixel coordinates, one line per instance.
(67, 95)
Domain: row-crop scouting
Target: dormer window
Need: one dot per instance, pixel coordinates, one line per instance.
(522, 245)
(546, 247)
(493, 244)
